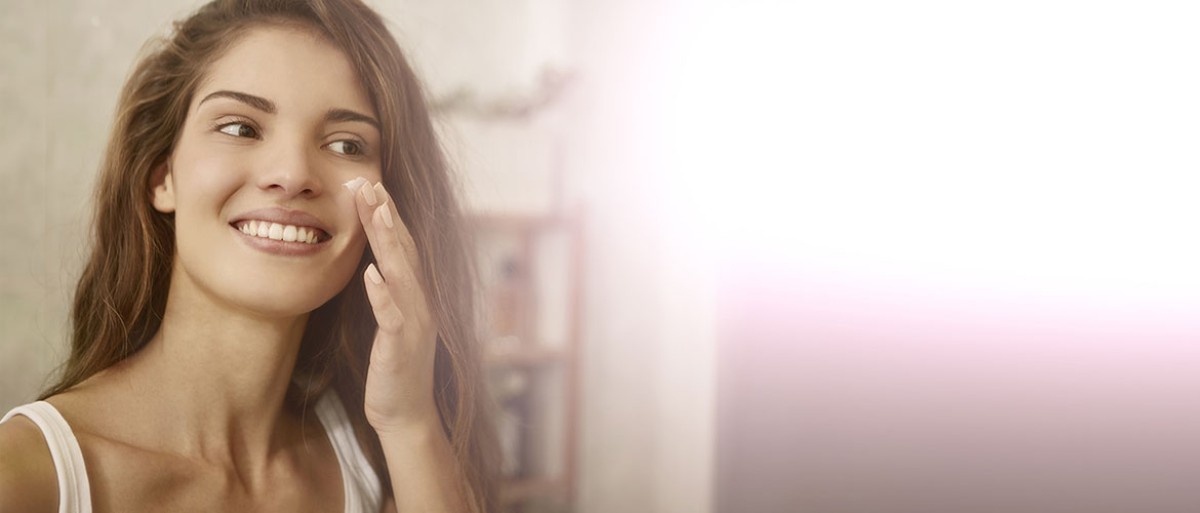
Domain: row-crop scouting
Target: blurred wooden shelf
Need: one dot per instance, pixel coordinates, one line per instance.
(537, 384)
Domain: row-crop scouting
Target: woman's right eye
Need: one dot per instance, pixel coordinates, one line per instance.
(238, 129)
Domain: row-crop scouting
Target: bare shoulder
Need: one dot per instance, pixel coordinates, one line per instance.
(28, 481)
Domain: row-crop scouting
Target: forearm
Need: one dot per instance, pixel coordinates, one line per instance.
(425, 475)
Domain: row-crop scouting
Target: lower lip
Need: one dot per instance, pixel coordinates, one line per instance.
(280, 247)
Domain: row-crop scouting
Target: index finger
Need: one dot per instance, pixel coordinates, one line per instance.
(395, 240)
(406, 239)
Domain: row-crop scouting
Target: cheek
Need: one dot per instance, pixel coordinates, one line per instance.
(207, 179)
(347, 210)
(351, 250)
(355, 250)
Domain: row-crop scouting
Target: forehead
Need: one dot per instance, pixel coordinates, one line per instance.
(292, 67)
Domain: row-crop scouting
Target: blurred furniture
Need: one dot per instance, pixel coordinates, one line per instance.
(530, 269)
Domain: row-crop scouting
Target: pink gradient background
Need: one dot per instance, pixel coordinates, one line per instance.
(843, 391)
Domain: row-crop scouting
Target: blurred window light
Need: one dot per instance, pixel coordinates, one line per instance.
(1046, 145)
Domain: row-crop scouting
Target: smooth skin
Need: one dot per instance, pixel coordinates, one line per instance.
(196, 420)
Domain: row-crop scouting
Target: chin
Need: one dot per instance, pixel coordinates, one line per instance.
(284, 303)
(277, 290)
(279, 298)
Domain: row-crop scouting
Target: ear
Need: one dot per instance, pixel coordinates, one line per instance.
(162, 187)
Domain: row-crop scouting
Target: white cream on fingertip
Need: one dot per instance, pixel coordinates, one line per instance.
(355, 184)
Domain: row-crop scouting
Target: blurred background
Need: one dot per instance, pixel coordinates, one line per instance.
(758, 256)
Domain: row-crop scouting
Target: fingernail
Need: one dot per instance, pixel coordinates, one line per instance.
(387, 216)
(380, 192)
(369, 195)
(354, 184)
(373, 274)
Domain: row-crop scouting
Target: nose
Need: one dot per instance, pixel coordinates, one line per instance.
(290, 172)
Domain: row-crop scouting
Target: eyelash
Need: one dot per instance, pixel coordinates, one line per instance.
(221, 126)
(361, 151)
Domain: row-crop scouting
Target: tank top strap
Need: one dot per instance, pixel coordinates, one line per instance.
(362, 486)
(74, 492)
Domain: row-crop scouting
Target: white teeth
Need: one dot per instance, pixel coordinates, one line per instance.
(276, 231)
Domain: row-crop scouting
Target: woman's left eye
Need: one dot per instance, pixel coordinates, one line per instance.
(238, 129)
(346, 147)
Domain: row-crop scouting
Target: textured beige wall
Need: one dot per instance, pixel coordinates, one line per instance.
(61, 65)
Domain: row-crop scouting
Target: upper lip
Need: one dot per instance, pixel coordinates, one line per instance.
(283, 216)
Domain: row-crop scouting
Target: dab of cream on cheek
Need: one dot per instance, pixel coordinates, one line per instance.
(355, 184)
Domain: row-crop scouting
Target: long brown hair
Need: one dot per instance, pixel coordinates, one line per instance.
(121, 296)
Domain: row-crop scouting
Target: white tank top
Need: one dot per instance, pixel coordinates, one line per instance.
(361, 485)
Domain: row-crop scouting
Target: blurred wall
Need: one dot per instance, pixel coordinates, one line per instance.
(61, 67)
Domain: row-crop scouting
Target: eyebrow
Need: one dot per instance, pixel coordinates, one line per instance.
(257, 102)
(337, 115)
(334, 115)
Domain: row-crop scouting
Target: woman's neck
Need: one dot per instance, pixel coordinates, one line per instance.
(223, 374)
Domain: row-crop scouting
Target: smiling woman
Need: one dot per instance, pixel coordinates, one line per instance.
(260, 148)
(245, 324)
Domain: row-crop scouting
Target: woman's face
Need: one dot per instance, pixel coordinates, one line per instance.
(262, 222)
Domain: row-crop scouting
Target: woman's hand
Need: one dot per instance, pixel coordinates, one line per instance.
(399, 391)
(399, 401)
